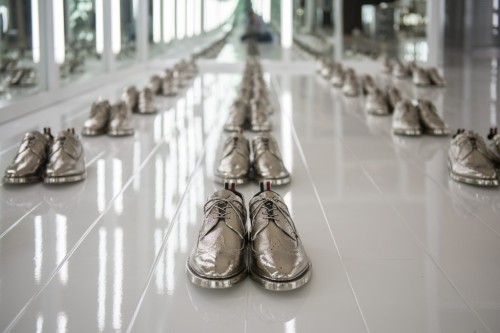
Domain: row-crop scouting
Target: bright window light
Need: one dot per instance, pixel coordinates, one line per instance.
(59, 44)
(116, 29)
(156, 21)
(286, 23)
(197, 17)
(35, 26)
(181, 19)
(266, 10)
(168, 23)
(99, 27)
(189, 18)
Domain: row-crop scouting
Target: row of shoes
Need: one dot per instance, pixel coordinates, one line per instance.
(114, 120)
(251, 108)
(41, 157)
(313, 45)
(236, 166)
(334, 72)
(268, 249)
(472, 161)
(213, 49)
(421, 77)
(21, 77)
(174, 78)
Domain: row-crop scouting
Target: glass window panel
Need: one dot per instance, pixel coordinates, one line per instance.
(126, 50)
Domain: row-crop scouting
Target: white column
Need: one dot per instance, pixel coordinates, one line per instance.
(286, 23)
(435, 31)
(142, 30)
(338, 34)
(51, 71)
(107, 54)
(310, 15)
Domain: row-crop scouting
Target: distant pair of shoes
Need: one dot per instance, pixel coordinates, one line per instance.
(22, 77)
(417, 118)
(234, 164)
(41, 157)
(114, 120)
(472, 161)
(340, 78)
(139, 102)
(270, 249)
(422, 77)
(379, 104)
(165, 86)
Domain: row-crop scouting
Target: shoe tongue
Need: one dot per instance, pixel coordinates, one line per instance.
(226, 194)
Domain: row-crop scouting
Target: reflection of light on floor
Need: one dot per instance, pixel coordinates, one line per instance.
(62, 246)
(62, 322)
(157, 128)
(137, 165)
(289, 202)
(101, 185)
(286, 129)
(160, 270)
(38, 257)
(493, 92)
(39, 323)
(118, 279)
(158, 187)
(171, 180)
(101, 287)
(117, 185)
(290, 326)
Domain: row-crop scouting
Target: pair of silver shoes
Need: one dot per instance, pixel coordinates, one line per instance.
(269, 250)
(115, 120)
(234, 164)
(422, 77)
(414, 119)
(472, 161)
(43, 157)
(140, 102)
(396, 68)
(350, 88)
(379, 104)
(253, 115)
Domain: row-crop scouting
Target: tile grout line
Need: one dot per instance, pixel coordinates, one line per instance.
(302, 156)
(420, 243)
(81, 239)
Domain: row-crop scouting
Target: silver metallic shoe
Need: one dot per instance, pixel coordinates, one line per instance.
(66, 163)
(259, 117)
(376, 104)
(120, 120)
(399, 70)
(218, 258)
(494, 146)
(351, 85)
(430, 120)
(146, 102)
(387, 66)
(97, 123)
(420, 77)
(393, 97)
(277, 259)
(155, 84)
(338, 76)
(31, 158)
(180, 76)
(436, 78)
(267, 160)
(237, 117)
(169, 87)
(406, 120)
(368, 84)
(234, 164)
(469, 160)
(131, 97)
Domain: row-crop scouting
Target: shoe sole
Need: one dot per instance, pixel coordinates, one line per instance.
(474, 181)
(154, 111)
(287, 285)
(437, 132)
(237, 181)
(89, 132)
(64, 179)
(21, 180)
(275, 181)
(204, 282)
(407, 132)
(261, 129)
(125, 132)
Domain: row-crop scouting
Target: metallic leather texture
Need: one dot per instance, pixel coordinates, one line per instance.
(393, 97)
(120, 120)
(326, 70)
(406, 120)
(218, 258)
(234, 163)
(469, 160)
(494, 149)
(146, 102)
(436, 78)
(169, 87)
(29, 163)
(376, 104)
(180, 75)
(420, 77)
(237, 116)
(97, 123)
(368, 84)
(338, 76)
(277, 259)
(155, 84)
(66, 159)
(131, 97)
(430, 120)
(399, 70)
(387, 66)
(259, 117)
(267, 161)
(351, 84)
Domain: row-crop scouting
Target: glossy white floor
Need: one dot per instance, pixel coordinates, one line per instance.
(396, 246)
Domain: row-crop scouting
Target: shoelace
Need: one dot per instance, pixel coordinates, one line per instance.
(222, 210)
(270, 205)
